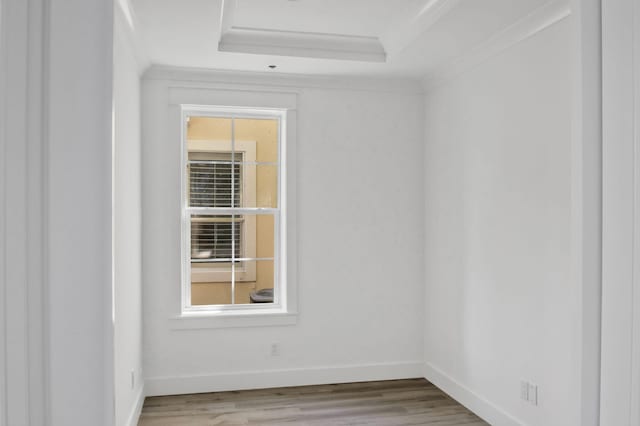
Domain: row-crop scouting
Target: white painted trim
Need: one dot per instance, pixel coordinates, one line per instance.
(231, 319)
(4, 60)
(197, 94)
(620, 283)
(15, 309)
(136, 408)
(586, 206)
(261, 379)
(265, 41)
(635, 347)
(261, 41)
(37, 235)
(289, 198)
(24, 347)
(488, 411)
(295, 82)
(540, 19)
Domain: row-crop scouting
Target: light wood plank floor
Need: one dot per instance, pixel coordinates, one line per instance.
(388, 403)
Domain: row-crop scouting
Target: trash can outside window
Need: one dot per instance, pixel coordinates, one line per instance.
(262, 296)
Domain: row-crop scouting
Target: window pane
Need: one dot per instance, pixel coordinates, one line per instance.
(211, 293)
(258, 291)
(209, 128)
(214, 264)
(265, 232)
(264, 132)
(259, 185)
(261, 290)
(216, 238)
(214, 183)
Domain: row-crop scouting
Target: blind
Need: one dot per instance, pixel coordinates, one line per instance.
(214, 183)
(213, 238)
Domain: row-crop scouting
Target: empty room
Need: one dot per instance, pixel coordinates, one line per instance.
(319, 212)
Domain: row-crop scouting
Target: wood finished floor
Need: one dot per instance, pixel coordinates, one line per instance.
(396, 402)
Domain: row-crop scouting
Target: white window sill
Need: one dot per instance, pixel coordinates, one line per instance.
(204, 320)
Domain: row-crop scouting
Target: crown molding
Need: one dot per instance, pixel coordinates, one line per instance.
(301, 44)
(294, 82)
(545, 16)
(264, 41)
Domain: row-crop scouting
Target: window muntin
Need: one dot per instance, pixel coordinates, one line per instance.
(232, 215)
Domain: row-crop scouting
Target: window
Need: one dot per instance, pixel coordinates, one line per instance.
(232, 218)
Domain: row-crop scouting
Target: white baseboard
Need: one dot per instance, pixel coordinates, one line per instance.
(177, 385)
(465, 396)
(137, 407)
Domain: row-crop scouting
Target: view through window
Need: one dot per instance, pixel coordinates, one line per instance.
(231, 209)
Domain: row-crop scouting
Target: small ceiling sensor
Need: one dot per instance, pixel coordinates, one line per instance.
(273, 67)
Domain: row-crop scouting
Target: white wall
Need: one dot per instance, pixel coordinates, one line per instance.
(78, 105)
(127, 230)
(620, 383)
(499, 301)
(360, 232)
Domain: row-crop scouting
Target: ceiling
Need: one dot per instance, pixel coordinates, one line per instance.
(352, 17)
(396, 38)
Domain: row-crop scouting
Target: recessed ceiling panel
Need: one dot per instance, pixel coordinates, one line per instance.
(347, 17)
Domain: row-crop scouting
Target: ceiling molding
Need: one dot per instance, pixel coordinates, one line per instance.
(412, 22)
(540, 19)
(295, 82)
(302, 44)
(264, 41)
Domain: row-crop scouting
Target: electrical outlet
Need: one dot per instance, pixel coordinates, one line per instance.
(275, 349)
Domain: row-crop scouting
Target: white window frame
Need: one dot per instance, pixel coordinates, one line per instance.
(279, 305)
(246, 271)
